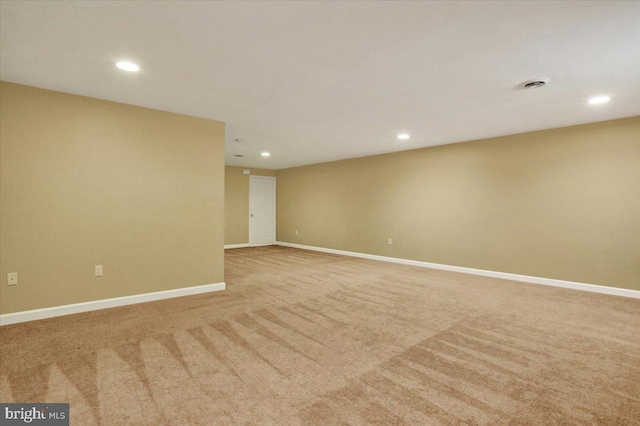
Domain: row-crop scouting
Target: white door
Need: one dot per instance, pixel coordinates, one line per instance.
(262, 210)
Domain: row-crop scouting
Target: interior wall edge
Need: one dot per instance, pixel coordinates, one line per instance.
(75, 308)
(235, 246)
(552, 282)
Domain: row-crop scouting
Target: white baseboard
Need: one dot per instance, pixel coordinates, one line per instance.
(57, 311)
(503, 275)
(233, 246)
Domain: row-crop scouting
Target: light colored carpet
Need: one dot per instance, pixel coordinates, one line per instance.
(309, 338)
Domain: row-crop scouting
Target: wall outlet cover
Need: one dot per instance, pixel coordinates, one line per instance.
(12, 278)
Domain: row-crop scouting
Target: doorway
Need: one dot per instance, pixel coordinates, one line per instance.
(262, 210)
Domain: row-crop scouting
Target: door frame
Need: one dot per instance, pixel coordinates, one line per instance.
(272, 178)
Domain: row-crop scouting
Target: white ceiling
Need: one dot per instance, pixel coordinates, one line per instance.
(319, 81)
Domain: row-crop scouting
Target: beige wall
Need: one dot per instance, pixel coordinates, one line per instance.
(236, 203)
(87, 182)
(562, 203)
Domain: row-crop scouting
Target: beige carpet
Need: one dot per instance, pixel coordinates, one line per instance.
(309, 338)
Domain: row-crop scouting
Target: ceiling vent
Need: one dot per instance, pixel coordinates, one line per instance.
(239, 155)
(534, 84)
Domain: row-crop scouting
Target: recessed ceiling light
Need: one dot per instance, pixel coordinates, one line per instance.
(266, 154)
(127, 66)
(403, 136)
(599, 100)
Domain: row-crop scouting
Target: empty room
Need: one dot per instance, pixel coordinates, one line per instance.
(320, 213)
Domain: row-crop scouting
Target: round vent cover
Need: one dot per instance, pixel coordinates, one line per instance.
(534, 84)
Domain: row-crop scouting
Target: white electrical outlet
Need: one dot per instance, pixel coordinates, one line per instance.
(12, 278)
(246, 172)
(389, 241)
(99, 270)
(296, 232)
